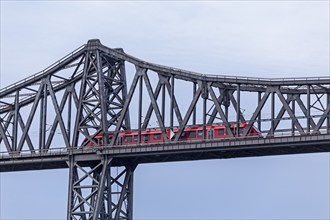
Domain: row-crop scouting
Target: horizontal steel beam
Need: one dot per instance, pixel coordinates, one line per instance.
(166, 152)
(193, 76)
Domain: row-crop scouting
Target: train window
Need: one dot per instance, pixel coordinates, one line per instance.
(211, 134)
(101, 140)
(128, 139)
(156, 136)
(135, 138)
(192, 134)
(200, 134)
(221, 131)
(146, 137)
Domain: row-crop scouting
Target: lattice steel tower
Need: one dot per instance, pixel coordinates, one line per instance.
(84, 97)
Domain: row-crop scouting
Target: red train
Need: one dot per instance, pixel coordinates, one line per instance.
(189, 133)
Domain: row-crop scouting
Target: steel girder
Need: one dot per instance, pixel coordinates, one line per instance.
(78, 97)
(171, 151)
(86, 94)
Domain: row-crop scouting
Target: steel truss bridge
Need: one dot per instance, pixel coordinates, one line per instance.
(45, 118)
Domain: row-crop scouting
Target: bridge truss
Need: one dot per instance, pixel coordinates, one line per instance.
(87, 93)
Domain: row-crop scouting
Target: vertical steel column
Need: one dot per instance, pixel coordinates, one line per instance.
(293, 106)
(272, 114)
(102, 177)
(194, 110)
(140, 110)
(43, 114)
(308, 109)
(122, 76)
(204, 116)
(69, 114)
(328, 118)
(41, 126)
(205, 94)
(130, 194)
(80, 107)
(108, 206)
(172, 101)
(103, 99)
(163, 103)
(70, 188)
(259, 115)
(15, 122)
(238, 109)
(227, 103)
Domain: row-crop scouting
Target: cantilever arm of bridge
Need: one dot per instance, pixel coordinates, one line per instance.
(97, 90)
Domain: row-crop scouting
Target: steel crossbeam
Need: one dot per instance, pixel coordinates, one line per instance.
(85, 96)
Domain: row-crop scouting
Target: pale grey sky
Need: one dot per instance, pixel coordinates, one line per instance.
(243, 38)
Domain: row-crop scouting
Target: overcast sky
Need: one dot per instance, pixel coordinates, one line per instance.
(242, 38)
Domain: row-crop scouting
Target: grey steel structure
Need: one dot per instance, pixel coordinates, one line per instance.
(86, 94)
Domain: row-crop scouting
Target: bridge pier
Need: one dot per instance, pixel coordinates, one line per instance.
(101, 191)
(71, 113)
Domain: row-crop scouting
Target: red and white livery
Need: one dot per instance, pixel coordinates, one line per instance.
(189, 134)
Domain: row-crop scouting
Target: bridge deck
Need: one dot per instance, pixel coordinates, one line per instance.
(165, 152)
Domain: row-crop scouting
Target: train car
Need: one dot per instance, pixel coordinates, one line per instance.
(188, 134)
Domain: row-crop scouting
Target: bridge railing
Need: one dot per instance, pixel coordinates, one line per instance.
(62, 151)
(307, 79)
